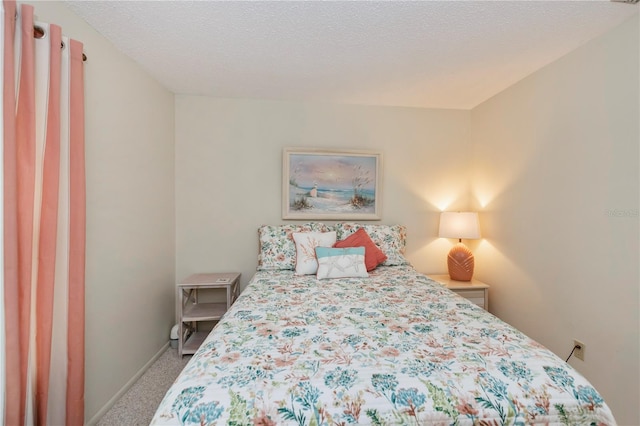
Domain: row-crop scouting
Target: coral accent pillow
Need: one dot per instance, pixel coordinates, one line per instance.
(391, 239)
(373, 256)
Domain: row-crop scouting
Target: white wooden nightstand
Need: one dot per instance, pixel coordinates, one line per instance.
(191, 311)
(476, 291)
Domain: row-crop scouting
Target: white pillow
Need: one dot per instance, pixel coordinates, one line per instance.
(306, 243)
(341, 262)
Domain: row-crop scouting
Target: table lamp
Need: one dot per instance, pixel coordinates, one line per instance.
(460, 225)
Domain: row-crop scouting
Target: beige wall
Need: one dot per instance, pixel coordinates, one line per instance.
(130, 212)
(229, 172)
(553, 156)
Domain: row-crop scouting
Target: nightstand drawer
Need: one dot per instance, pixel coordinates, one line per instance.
(475, 291)
(475, 296)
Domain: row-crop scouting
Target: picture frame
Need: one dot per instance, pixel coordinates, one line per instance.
(322, 184)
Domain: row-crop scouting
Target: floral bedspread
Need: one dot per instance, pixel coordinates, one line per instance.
(392, 349)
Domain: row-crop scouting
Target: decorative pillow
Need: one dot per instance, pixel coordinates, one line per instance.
(373, 256)
(341, 262)
(277, 249)
(391, 239)
(306, 243)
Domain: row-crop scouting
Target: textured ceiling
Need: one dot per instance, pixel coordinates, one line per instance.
(440, 54)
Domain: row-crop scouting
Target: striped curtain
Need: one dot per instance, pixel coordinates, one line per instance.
(43, 222)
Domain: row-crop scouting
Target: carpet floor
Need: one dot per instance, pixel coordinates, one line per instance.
(138, 405)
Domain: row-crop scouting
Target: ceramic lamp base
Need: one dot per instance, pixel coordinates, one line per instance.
(460, 262)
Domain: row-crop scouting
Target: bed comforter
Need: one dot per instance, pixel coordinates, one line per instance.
(392, 349)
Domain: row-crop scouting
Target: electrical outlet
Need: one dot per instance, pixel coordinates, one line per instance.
(579, 352)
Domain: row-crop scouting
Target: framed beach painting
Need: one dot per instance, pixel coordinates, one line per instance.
(331, 184)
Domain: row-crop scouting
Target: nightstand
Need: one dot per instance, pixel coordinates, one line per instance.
(476, 291)
(191, 311)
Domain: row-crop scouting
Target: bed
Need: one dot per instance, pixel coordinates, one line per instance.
(391, 348)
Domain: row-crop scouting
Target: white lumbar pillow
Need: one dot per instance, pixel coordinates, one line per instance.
(345, 262)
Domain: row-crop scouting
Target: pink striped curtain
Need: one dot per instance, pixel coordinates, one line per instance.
(43, 223)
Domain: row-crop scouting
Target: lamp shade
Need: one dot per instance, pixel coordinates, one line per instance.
(459, 225)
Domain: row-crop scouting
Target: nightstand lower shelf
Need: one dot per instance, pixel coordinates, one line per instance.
(193, 342)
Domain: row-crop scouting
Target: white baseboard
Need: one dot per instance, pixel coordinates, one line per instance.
(96, 418)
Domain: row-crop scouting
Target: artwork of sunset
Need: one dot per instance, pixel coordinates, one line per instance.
(326, 184)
